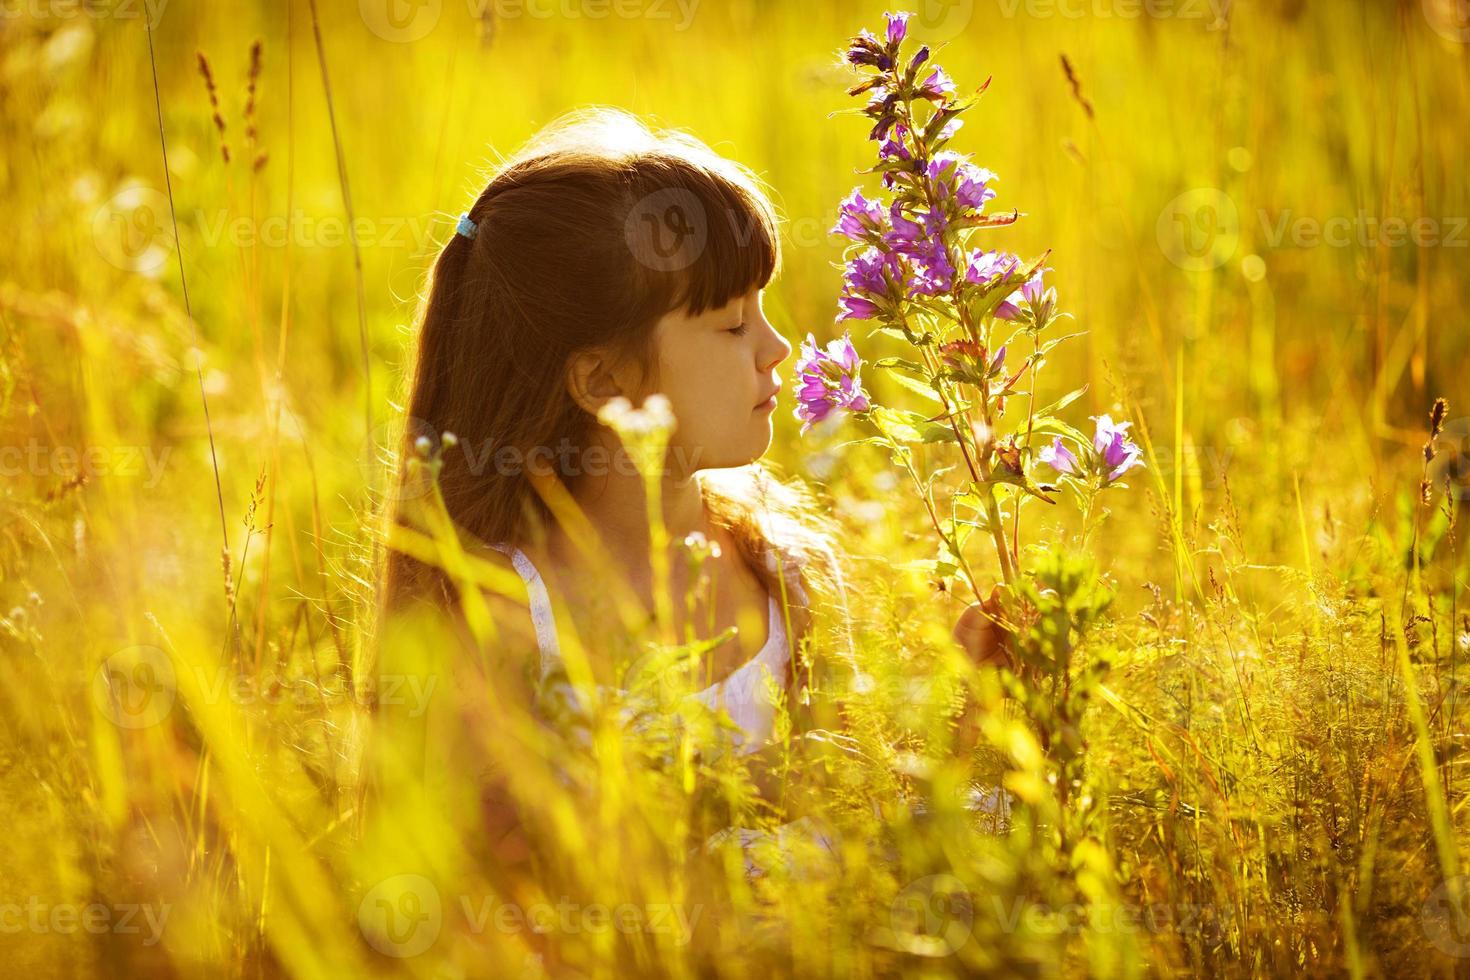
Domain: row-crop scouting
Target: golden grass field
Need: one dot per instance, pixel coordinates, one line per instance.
(1258, 213)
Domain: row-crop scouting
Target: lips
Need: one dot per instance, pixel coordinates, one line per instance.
(769, 395)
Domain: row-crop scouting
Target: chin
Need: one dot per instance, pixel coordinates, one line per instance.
(751, 458)
(733, 451)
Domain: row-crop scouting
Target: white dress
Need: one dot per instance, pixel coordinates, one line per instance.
(744, 695)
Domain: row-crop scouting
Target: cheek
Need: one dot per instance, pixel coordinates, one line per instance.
(710, 404)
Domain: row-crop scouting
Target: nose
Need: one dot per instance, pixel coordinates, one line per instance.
(779, 350)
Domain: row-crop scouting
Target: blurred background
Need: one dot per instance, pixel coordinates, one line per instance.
(1259, 212)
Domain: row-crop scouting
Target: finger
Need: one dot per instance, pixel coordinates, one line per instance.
(981, 639)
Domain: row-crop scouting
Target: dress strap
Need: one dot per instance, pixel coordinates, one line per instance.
(541, 615)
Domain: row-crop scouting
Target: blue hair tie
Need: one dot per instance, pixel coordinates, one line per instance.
(466, 227)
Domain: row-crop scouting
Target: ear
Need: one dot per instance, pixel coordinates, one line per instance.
(594, 377)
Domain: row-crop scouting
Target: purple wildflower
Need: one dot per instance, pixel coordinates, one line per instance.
(857, 308)
(859, 217)
(1117, 452)
(1033, 290)
(955, 176)
(882, 126)
(898, 27)
(1059, 457)
(1111, 454)
(894, 151)
(865, 49)
(880, 101)
(893, 148)
(865, 272)
(865, 280)
(882, 106)
(932, 272)
(905, 230)
(828, 381)
(937, 86)
(923, 244)
(942, 162)
(972, 186)
(983, 267)
(920, 56)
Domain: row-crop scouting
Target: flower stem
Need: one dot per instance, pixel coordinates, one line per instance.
(980, 476)
(938, 528)
(978, 464)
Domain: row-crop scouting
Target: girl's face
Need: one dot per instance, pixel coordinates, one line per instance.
(718, 371)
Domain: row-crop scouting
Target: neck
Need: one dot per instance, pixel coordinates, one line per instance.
(616, 505)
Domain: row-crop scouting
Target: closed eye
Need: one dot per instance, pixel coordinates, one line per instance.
(740, 330)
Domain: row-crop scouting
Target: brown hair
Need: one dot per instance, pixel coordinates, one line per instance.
(571, 254)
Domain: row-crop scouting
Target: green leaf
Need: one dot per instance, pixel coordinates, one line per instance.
(865, 441)
(914, 385)
(899, 363)
(892, 426)
(1060, 428)
(942, 116)
(1046, 347)
(904, 426)
(929, 480)
(893, 332)
(1062, 402)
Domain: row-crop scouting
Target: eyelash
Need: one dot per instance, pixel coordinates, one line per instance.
(740, 330)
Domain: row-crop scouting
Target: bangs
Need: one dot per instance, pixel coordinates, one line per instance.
(742, 252)
(707, 237)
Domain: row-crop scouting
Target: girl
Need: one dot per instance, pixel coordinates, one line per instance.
(607, 260)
